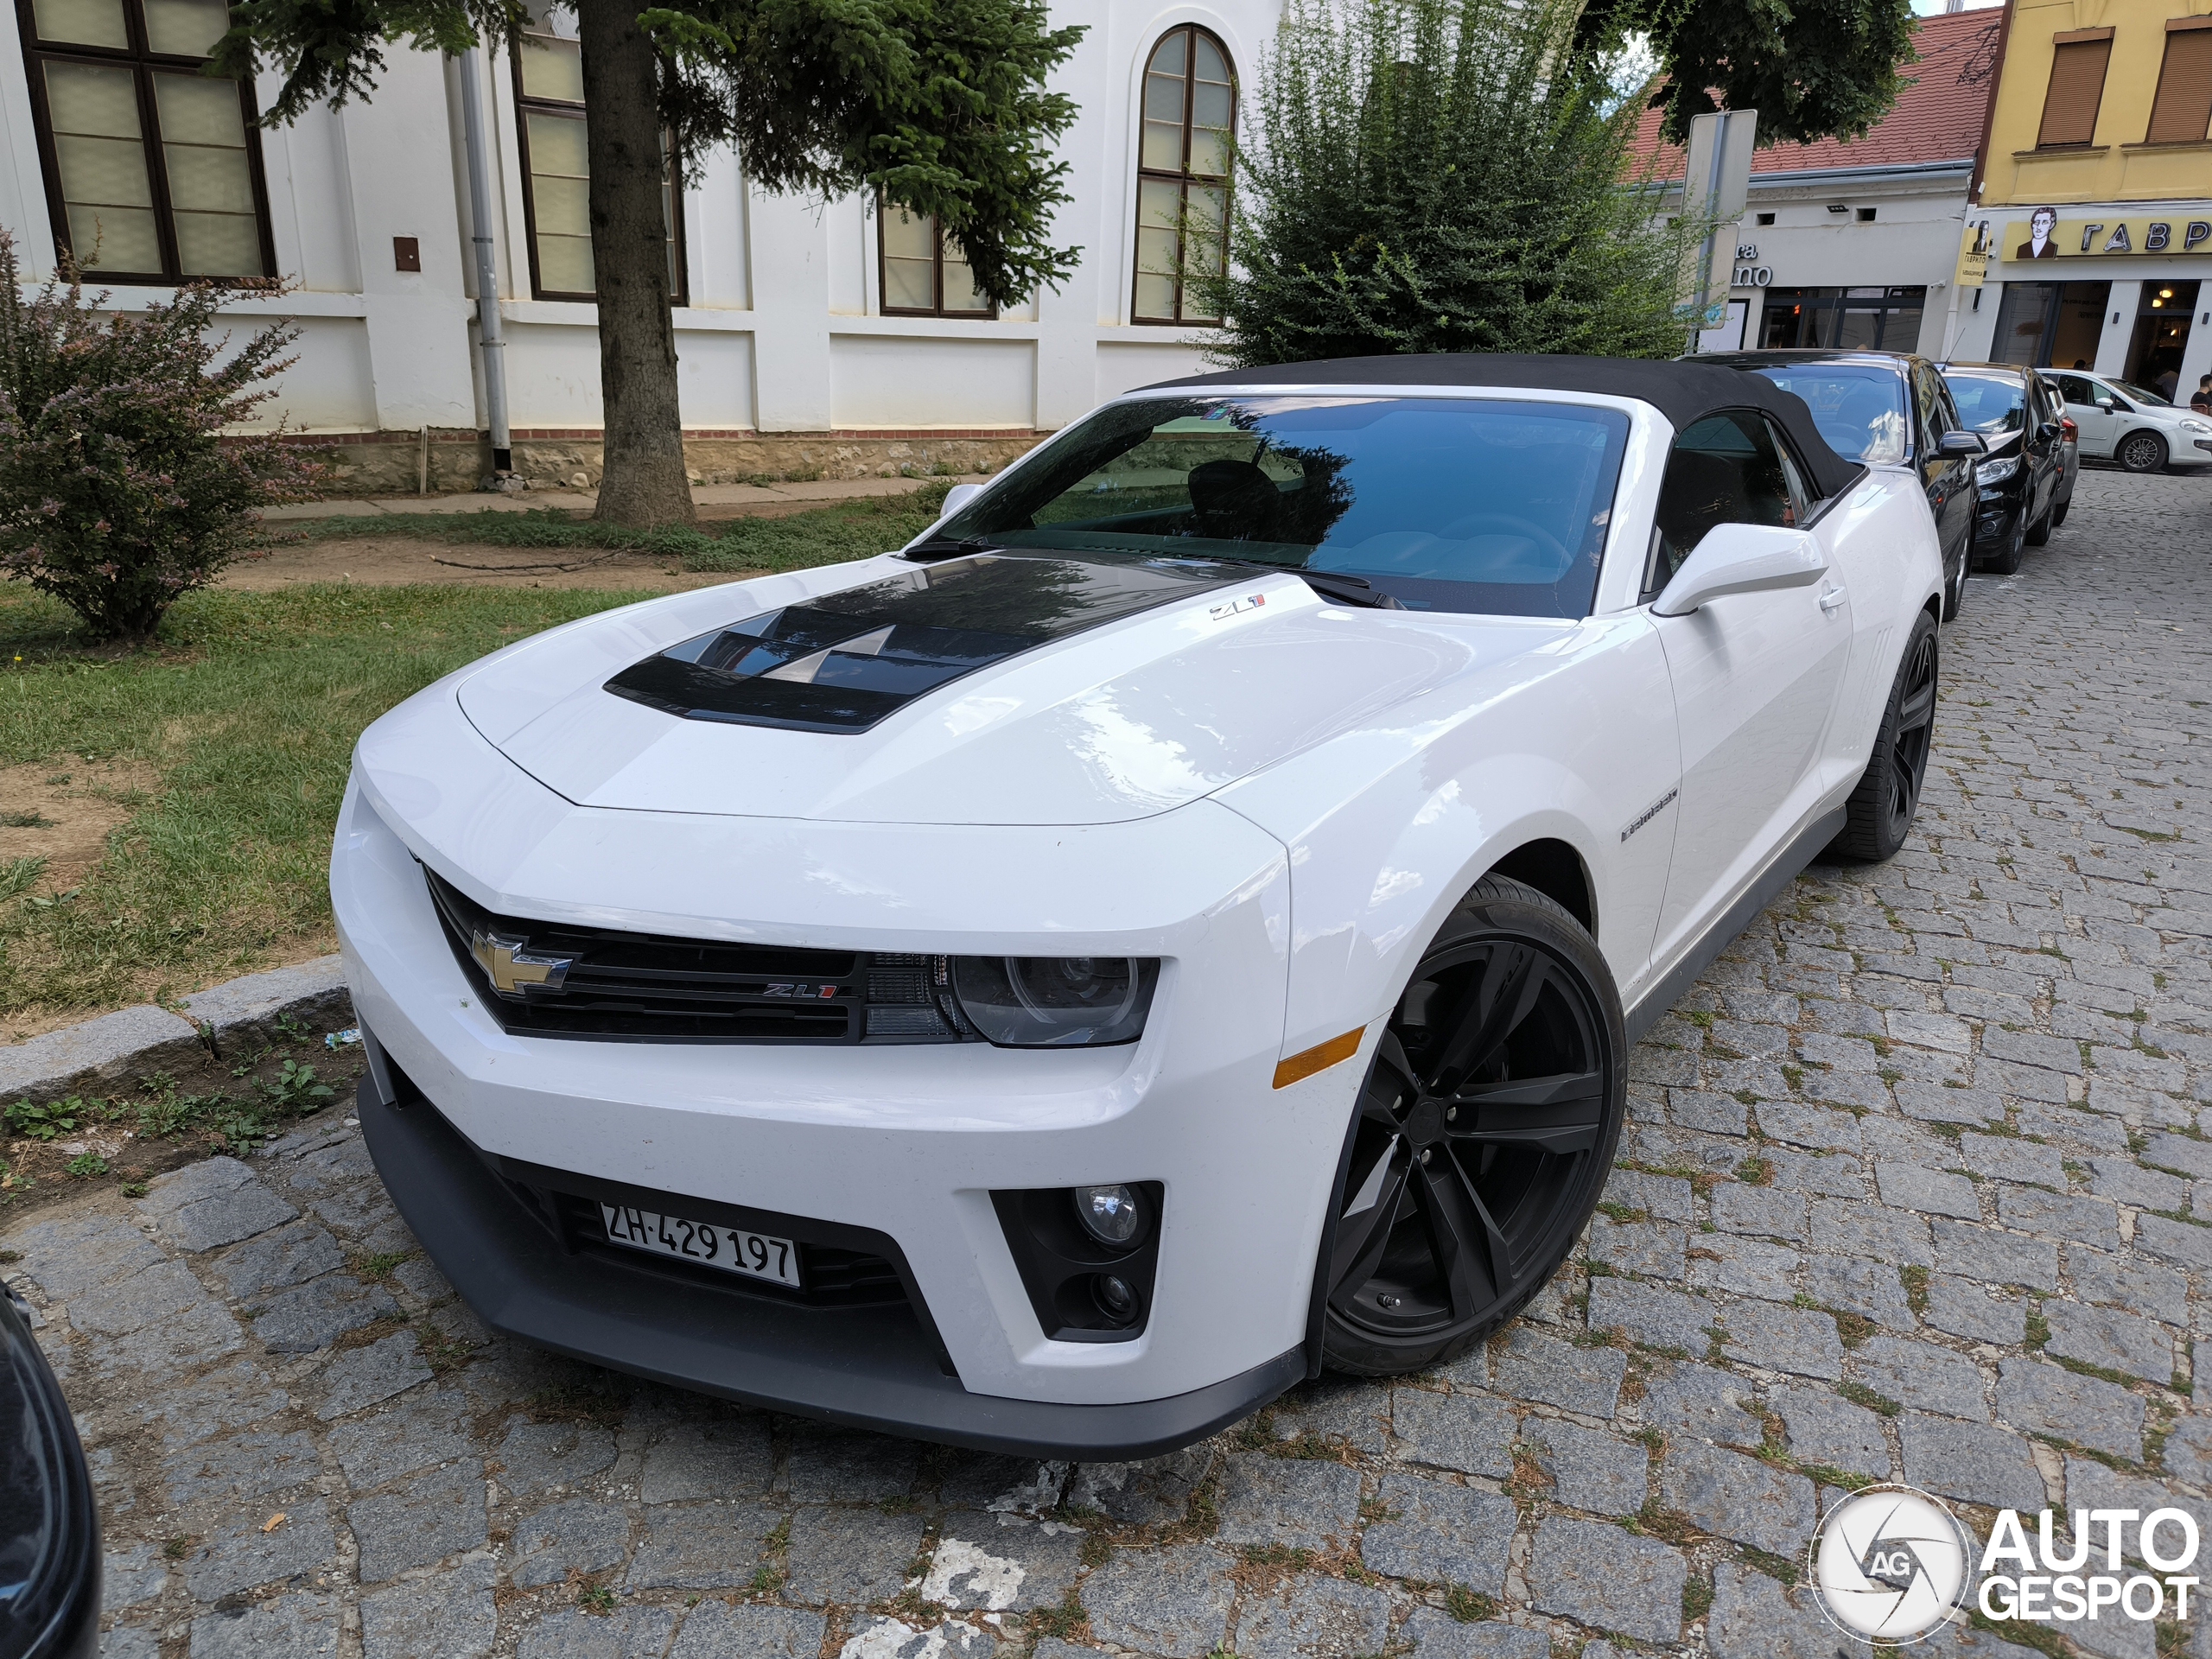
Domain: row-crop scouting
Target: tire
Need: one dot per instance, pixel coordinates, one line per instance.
(1444, 1231)
(2140, 451)
(2008, 563)
(2058, 514)
(1880, 811)
(2039, 531)
(1954, 590)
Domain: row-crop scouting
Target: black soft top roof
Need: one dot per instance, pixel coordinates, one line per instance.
(1684, 391)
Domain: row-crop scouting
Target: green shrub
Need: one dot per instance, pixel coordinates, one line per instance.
(118, 490)
(1442, 175)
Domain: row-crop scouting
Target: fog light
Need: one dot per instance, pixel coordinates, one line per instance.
(1109, 1214)
(1115, 1300)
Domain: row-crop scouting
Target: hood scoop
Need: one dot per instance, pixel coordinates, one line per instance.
(844, 661)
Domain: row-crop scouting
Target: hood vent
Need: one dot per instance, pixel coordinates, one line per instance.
(845, 661)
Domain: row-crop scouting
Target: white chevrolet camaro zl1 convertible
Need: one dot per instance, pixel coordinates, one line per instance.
(1176, 926)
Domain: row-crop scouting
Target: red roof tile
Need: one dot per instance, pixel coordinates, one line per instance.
(1937, 117)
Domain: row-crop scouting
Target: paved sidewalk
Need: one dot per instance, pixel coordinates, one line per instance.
(712, 500)
(1914, 1189)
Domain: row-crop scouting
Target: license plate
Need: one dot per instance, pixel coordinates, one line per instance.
(756, 1256)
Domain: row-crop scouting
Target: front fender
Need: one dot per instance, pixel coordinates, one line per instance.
(1574, 744)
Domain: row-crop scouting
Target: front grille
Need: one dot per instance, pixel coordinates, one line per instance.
(644, 988)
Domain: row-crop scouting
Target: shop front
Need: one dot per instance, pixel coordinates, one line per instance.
(2120, 289)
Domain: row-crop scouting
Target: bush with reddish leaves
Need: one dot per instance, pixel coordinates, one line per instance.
(117, 490)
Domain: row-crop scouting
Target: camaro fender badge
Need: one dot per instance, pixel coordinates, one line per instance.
(1236, 606)
(1651, 812)
(509, 963)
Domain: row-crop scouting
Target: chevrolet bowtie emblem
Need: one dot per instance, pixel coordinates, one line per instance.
(512, 966)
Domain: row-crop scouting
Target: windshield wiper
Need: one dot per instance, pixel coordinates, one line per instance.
(1330, 584)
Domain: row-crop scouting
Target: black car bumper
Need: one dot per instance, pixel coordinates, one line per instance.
(868, 1366)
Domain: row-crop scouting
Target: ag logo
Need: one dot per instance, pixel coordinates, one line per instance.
(1890, 1564)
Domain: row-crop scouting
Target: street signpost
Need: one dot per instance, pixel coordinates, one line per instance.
(1716, 183)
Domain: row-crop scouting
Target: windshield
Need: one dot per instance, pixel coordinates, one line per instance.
(1444, 503)
(1989, 402)
(1860, 410)
(2140, 394)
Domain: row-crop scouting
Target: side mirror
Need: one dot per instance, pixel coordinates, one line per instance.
(2110, 405)
(1742, 559)
(1959, 442)
(2048, 432)
(958, 497)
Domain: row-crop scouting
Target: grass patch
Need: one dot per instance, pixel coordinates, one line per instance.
(847, 529)
(239, 728)
(1915, 1281)
(1468, 1606)
(1860, 1394)
(225, 748)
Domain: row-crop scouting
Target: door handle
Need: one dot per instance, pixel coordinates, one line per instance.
(1831, 597)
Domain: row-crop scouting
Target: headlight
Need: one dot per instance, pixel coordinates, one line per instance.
(1996, 472)
(1055, 1001)
(2190, 425)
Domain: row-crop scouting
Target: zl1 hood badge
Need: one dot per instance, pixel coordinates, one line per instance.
(1235, 607)
(508, 961)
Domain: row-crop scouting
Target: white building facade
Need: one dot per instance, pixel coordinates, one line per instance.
(812, 336)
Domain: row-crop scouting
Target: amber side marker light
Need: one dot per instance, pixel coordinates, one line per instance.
(1319, 1058)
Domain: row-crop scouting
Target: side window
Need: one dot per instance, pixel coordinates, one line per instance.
(2072, 388)
(1928, 406)
(1802, 494)
(1724, 469)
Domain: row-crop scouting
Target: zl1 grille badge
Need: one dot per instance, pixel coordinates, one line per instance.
(787, 987)
(513, 968)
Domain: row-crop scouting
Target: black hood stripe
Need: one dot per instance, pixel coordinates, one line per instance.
(844, 661)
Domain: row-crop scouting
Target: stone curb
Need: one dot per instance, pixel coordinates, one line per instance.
(130, 1040)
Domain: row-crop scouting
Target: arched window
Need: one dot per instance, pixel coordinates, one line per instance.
(1190, 114)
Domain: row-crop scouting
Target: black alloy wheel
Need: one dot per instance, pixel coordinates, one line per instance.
(2058, 513)
(2007, 562)
(1485, 1131)
(1881, 809)
(2141, 452)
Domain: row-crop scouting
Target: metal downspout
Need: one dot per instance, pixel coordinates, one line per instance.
(488, 336)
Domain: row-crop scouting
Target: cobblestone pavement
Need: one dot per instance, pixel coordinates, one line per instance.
(1914, 1188)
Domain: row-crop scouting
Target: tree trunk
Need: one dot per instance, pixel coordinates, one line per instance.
(643, 481)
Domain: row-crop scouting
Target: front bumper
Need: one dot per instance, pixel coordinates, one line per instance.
(873, 1367)
(912, 1144)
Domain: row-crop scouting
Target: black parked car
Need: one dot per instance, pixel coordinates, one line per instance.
(49, 1531)
(2023, 481)
(1889, 408)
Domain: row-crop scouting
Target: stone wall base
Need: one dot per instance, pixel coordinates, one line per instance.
(450, 461)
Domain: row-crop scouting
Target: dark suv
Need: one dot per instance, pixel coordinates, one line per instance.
(1888, 408)
(2022, 481)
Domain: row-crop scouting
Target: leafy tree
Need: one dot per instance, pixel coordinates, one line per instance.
(939, 103)
(1812, 69)
(1441, 176)
(118, 491)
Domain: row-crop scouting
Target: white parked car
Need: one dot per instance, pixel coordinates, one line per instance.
(2132, 425)
(1178, 924)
